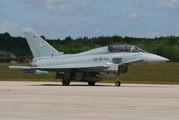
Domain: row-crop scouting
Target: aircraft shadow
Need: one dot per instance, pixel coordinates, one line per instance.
(99, 85)
(72, 85)
(138, 86)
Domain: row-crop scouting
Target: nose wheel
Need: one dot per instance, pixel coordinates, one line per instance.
(117, 83)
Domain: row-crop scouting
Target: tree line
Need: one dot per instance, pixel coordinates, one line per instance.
(164, 46)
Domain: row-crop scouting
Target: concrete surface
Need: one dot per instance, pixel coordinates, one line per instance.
(52, 101)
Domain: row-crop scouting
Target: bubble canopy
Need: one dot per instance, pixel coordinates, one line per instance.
(124, 48)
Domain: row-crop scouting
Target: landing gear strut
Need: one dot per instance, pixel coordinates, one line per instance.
(117, 83)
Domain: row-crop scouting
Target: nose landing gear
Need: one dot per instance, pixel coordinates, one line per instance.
(117, 83)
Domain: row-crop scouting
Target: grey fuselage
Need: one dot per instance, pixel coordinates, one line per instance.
(99, 57)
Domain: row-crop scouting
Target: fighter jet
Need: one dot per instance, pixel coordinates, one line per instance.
(109, 60)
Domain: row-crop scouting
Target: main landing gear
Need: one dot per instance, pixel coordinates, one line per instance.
(91, 83)
(66, 79)
(117, 83)
(66, 82)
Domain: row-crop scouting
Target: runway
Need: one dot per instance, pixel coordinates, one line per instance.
(52, 101)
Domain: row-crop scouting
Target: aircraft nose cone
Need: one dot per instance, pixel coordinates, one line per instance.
(152, 59)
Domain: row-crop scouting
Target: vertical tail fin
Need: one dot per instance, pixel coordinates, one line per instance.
(38, 46)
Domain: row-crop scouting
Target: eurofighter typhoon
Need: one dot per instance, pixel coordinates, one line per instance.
(109, 61)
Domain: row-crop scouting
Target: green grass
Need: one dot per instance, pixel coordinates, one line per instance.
(164, 73)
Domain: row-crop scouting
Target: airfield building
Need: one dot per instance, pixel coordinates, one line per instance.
(6, 57)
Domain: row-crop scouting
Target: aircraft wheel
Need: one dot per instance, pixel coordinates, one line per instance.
(91, 83)
(117, 84)
(65, 82)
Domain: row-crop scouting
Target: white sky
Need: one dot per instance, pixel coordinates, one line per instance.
(91, 18)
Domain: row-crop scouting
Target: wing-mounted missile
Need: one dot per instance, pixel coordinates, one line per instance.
(36, 72)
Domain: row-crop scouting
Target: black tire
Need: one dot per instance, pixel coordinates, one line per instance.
(91, 83)
(66, 82)
(117, 84)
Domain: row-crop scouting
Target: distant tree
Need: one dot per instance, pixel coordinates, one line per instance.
(43, 37)
(68, 39)
(6, 34)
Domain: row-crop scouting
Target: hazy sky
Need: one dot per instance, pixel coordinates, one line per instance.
(90, 18)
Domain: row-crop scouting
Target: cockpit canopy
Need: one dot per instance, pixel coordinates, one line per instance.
(124, 48)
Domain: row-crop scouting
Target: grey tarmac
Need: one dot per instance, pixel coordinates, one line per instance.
(104, 101)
